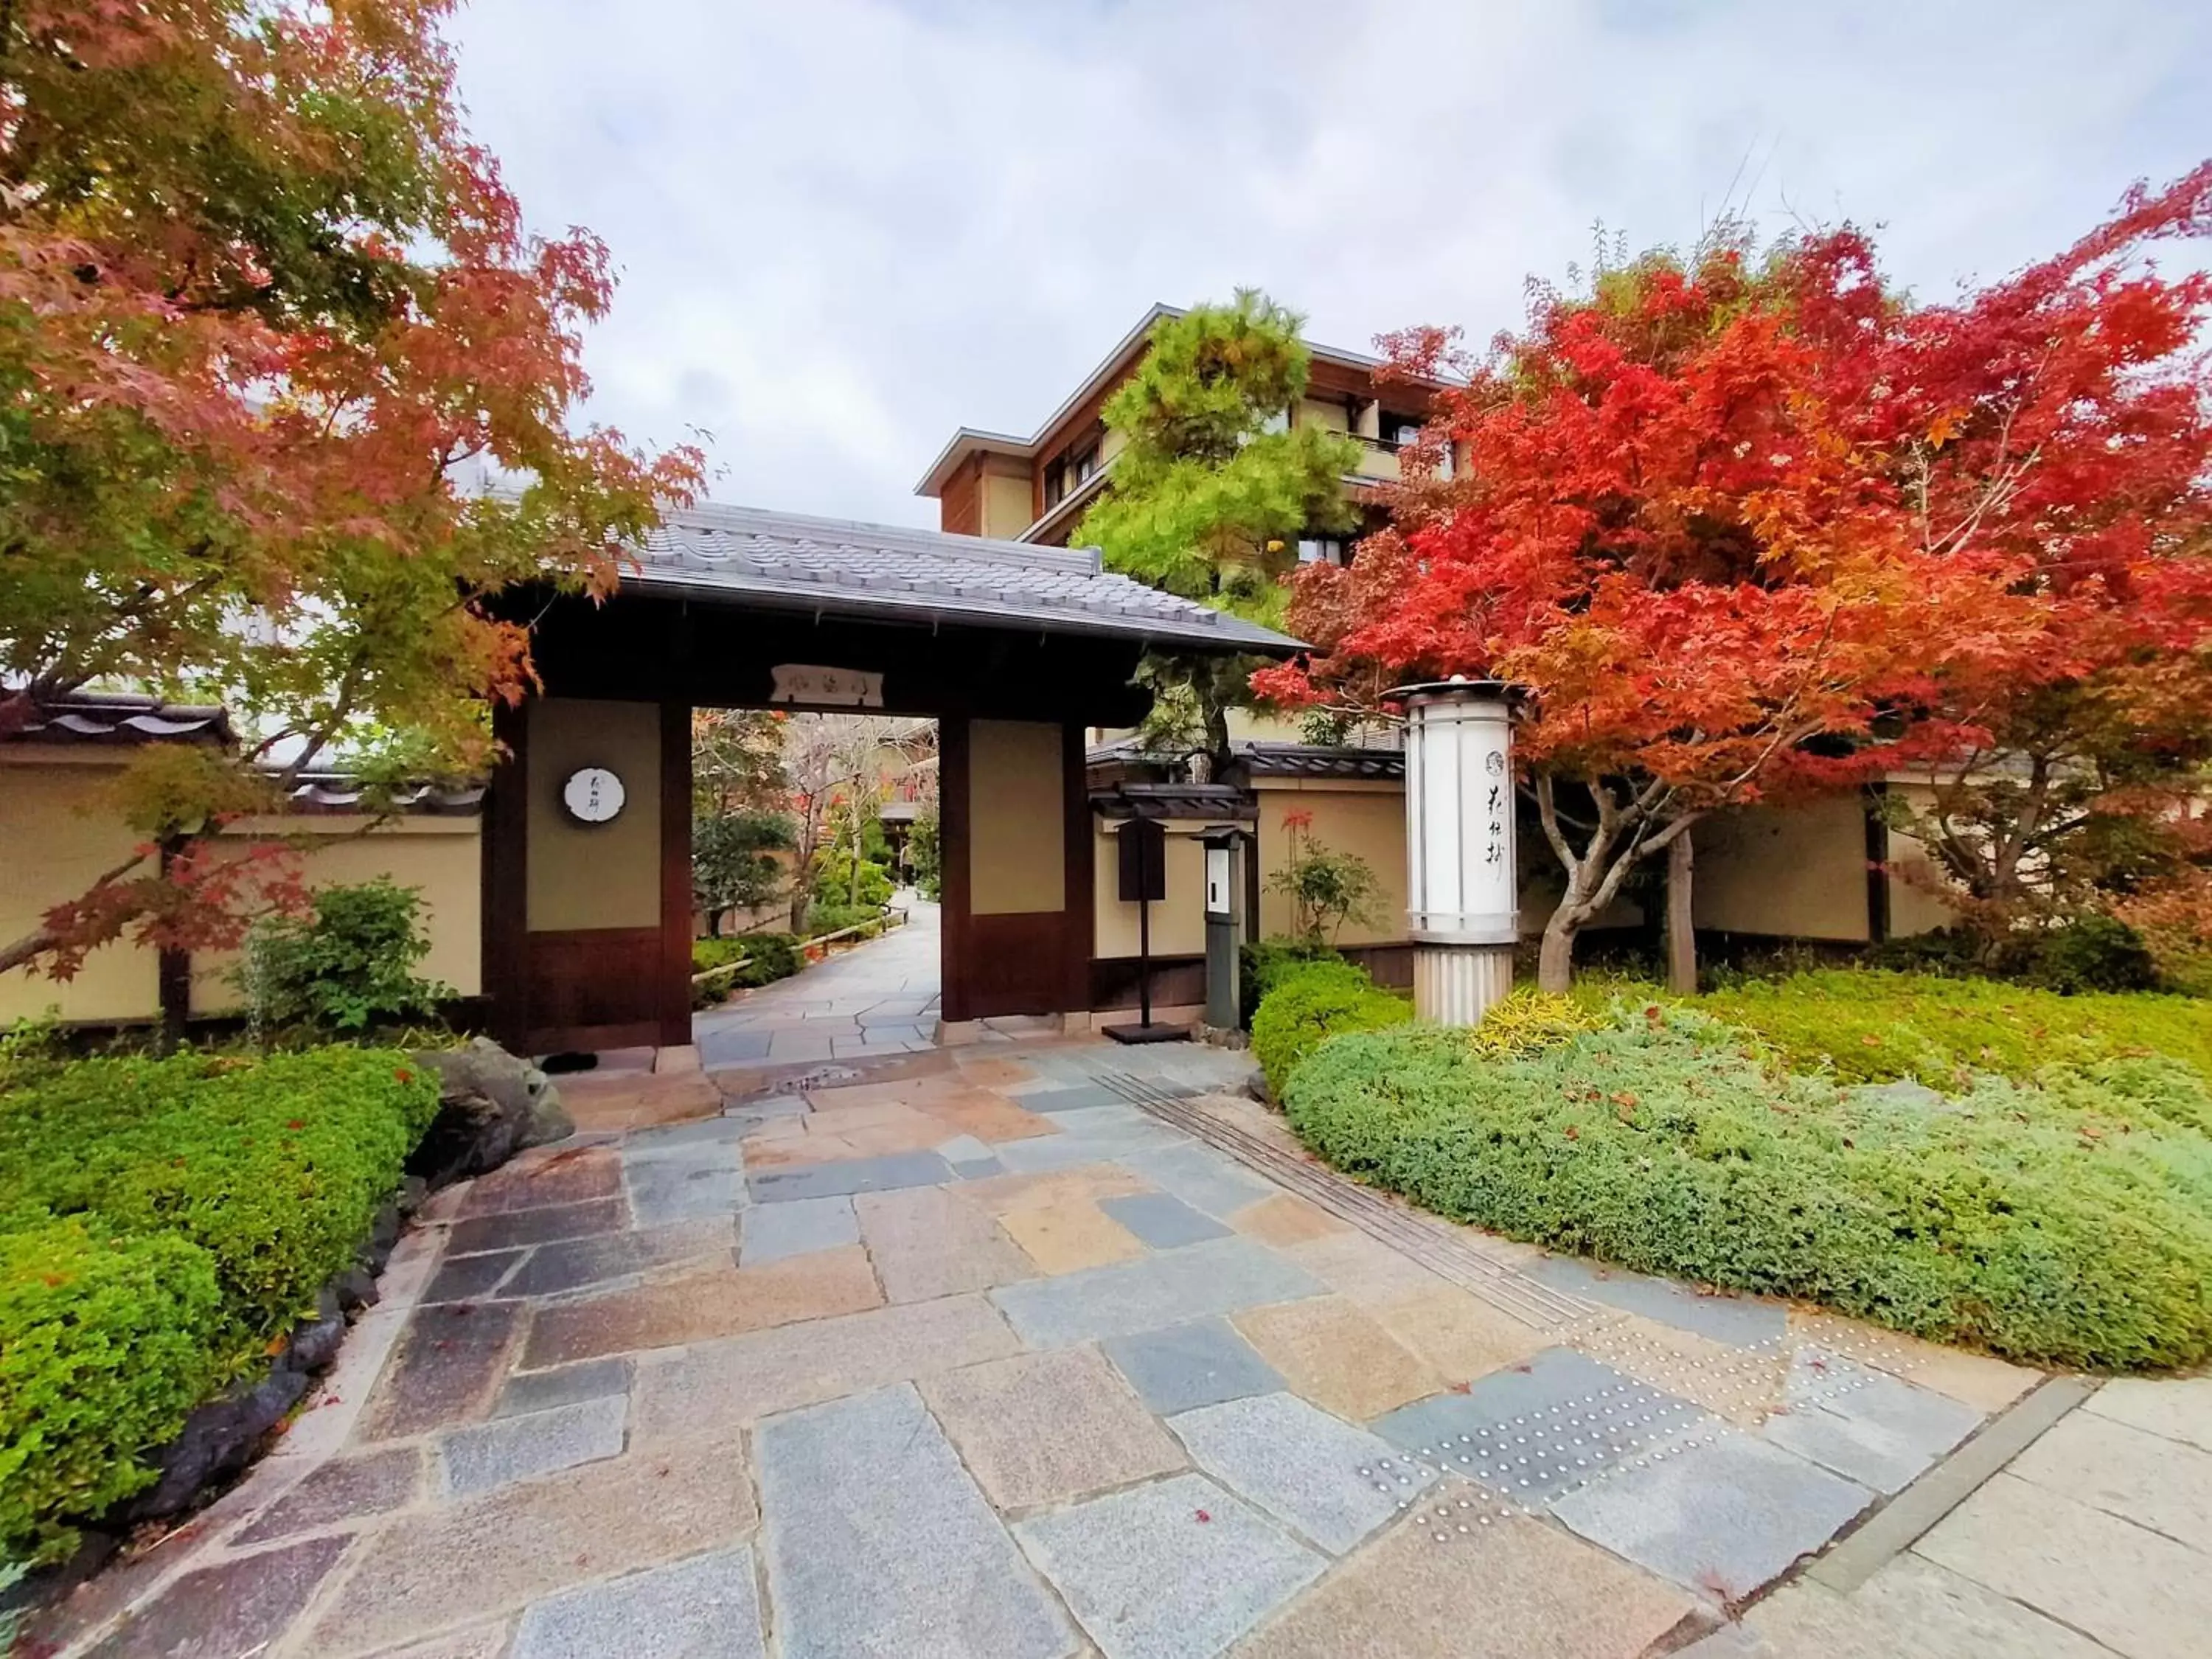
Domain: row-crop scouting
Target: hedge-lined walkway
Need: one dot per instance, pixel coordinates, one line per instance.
(975, 1357)
(879, 998)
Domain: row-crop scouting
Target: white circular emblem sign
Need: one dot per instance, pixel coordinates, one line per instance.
(593, 795)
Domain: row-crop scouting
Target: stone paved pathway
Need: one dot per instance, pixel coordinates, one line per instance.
(880, 999)
(960, 1353)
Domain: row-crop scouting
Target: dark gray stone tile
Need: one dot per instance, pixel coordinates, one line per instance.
(446, 1366)
(511, 1448)
(537, 1391)
(1162, 1220)
(1220, 1276)
(514, 1229)
(718, 1048)
(878, 1542)
(343, 1489)
(574, 1263)
(1534, 1431)
(1740, 1321)
(849, 1175)
(472, 1278)
(234, 1608)
(773, 1232)
(1185, 1366)
(1865, 1424)
(1073, 1098)
(1719, 1513)
(706, 1608)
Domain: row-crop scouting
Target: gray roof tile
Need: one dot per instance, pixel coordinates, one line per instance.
(805, 563)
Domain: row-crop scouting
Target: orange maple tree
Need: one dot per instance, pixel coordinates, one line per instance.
(265, 310)
(1751, 528)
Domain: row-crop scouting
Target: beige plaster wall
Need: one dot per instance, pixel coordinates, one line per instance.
(1913, 906)
(441, 858)
(1332, 416)
(1799, 873)
(604, 875)
(57, 835)
(1349, 816)
(1017, 851)
(1178, 921)
(1007, 498)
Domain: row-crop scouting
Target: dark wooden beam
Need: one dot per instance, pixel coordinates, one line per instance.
(505, 960)
(1079, 919)
(954, 966)
(1877, 852)
(675, 874)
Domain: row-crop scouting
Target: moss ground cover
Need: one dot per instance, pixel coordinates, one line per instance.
(162, 1223)
(2015, 1170)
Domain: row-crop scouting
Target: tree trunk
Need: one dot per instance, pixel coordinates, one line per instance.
(1555, 961)
(1681, 932)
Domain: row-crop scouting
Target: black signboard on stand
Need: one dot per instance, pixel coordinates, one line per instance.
(1142, 845)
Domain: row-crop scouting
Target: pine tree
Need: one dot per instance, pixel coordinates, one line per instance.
(1213, 490)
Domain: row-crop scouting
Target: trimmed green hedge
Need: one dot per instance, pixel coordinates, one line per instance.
(1305, 1003)
(163, 1224)
(1871, 1025)
(768, 958)
(2061, 1220)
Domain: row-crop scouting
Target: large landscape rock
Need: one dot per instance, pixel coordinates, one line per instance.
(492, 1106)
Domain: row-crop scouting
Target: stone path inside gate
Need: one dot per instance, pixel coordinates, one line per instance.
(1035, 1349)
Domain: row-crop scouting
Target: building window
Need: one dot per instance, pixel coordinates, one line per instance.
(1069, 470)
(1321, 550)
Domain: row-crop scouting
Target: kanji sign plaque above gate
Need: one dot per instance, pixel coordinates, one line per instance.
(834, 688)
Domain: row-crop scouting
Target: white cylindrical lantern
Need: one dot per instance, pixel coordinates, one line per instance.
(1463, 899)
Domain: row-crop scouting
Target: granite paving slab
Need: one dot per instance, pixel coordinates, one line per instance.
(477, 1642)
(1201, 1177)
(719, 1048)
(556, 1176)
(1719, 1514)
(927, 1243)
(713, 1388)
(446, 1367)
(344, 1489)
(2176, 1409)
(235, 1607)
(773, 1232)
(492, 1554)
(702, 1306)
(1178, 1568)
(539, 1391)
(878, 1542)
(510, 1229)
(1069, 1235)
(2133, 1589)
(690, 1186)
(1333, 1354)
(1491, 1587)
(1163, 1220)
(1909, 1609)
(849, 1175)
(1318, 1476)
(2127, 1472)
(574, 1264)
(1220, 1276)
(1066, 1151)
(1877, 1429)
(521, 1448)
(472, 1278)
(1182, 1367)
(1534, 1431)
(1741, 1321)
(1042, 1428)
(708, 1608)
(1070, 1098)
(1459, 1335)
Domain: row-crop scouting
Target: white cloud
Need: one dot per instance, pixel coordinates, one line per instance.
(846, 226)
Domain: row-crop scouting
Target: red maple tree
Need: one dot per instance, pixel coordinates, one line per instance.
(1749, 530)
(263, 304)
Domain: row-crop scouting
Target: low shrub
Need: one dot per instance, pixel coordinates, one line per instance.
(768, 958)
(833, 883)
(1310, 1002)
(824, 918)
(184, 1212)
(349, 967)
(2063, 1221)
(106, 1344)
(1262, 961)
(1873, 1025)
(2092, 953)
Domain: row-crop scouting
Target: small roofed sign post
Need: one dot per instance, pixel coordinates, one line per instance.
(1142, 846)
(1463, 894)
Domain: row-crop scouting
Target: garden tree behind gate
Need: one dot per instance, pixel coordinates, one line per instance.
(1748, 530)
(261, 300)
(1210, 492)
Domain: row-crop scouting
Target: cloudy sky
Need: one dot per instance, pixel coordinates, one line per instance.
(847, 227)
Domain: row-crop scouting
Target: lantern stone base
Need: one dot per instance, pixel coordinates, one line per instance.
(1457, 984)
